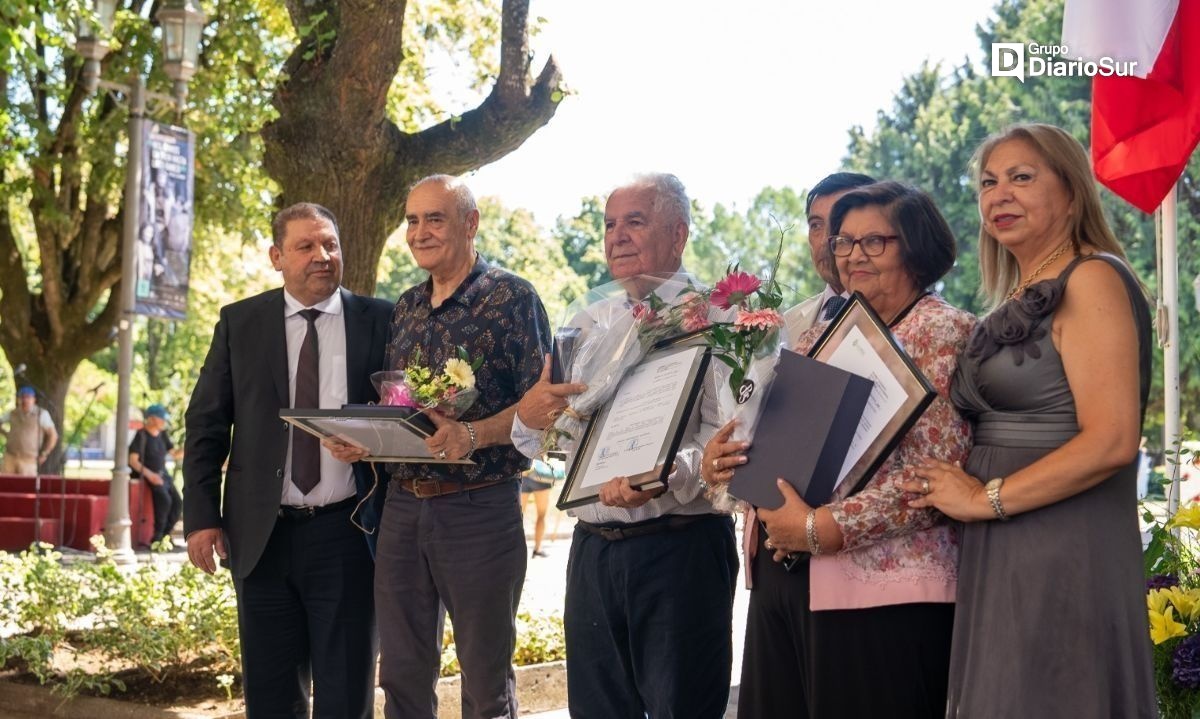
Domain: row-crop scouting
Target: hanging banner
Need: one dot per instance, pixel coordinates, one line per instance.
(164, 241)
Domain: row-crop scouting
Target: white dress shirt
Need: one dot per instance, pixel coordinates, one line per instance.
(337, 478)
(684, 494)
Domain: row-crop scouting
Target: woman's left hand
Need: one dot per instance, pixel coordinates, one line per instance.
(786, 525)
(950, 490)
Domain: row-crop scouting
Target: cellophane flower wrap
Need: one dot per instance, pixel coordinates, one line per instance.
(450, 391)
(619, 323)
(747, 345)
(1173, 603)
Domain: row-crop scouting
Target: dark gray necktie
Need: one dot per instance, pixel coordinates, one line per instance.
(832, 305)
(306, 449)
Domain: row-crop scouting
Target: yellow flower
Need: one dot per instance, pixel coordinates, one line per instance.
(1156, 600)
(1188, 516)
(1187, 601)
(1163, 626)
(460, 373)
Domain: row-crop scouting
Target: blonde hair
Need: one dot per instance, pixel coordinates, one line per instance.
(1069, 161)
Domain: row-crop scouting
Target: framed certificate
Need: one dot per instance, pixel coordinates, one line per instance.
(637, 433)
(858, 341)
(388, 434)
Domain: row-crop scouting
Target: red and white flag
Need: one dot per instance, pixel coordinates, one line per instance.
(1145, 127)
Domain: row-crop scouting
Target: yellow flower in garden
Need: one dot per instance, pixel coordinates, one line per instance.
(1183, 600)
(1163, 626)
(1188, 516)
(1156, 600)
(460, 373)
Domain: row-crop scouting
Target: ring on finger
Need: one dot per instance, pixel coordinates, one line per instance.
(925, 489)
(442, 454)
(769, 544)
(716, 464)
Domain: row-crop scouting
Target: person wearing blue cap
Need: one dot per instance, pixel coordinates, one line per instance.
(31, 434)
(148, 459)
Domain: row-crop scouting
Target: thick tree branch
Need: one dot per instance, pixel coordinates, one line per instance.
(487, 133)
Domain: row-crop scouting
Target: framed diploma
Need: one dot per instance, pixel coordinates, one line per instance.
(858, 341)
(638, 432)
(388, 434)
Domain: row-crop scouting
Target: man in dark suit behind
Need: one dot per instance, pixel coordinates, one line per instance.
(301, 568)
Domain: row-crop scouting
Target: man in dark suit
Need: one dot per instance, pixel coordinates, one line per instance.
(301, 568)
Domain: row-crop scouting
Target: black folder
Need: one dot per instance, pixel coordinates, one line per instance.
(806, 427)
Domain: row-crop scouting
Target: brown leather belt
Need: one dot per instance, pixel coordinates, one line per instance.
(426, 488)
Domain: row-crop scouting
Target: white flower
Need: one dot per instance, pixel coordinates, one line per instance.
(460, 373)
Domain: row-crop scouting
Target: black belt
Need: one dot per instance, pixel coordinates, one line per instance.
(665, 523)
(298, 514)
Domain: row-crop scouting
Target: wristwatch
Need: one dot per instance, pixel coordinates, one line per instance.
(993, 495)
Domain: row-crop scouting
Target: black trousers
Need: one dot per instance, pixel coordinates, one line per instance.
(306, 616)
(891, 661)
(649, 623)
(168, 506)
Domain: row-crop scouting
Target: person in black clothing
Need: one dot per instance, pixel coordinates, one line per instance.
(148, 460)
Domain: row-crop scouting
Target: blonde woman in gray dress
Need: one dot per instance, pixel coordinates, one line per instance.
(1051, 618)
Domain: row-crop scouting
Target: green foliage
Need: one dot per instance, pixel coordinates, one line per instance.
(752, 241)
(507, 238)
(83, 626)
(443, 37)
(938, 119)
(540, 639)
(582, 240)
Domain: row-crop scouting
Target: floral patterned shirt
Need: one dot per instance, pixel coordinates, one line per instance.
(881, 533)
(493, 315)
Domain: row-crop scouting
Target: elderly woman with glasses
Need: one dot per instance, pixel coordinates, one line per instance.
(862, 628)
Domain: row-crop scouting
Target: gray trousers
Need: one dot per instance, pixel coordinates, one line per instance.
(466, 551)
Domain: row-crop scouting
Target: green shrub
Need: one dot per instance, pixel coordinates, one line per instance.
(85, 626)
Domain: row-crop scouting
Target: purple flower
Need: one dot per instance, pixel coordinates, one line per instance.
(1185, 665)
(1161, 581)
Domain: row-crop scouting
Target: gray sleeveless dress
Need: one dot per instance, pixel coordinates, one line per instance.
(1051, 616)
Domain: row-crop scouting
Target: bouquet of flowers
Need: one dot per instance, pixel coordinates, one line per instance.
(1173, 602)
(748, 345)
(617, 332)
(451, 391)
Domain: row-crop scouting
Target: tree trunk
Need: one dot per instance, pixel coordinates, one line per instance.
(333, 143)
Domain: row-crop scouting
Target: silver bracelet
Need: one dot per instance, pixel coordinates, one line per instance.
(474, 439)
(810, 530)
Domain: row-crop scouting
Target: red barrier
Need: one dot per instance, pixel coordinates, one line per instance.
(73, 509)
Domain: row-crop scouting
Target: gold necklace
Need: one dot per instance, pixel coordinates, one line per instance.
(1033, 276)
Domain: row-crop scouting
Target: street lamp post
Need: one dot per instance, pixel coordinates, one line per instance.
(182, 24)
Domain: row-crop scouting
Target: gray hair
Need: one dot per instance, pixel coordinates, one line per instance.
(670, 196)
(464, 199)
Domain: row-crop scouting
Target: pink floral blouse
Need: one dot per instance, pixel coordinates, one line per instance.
(892, 553)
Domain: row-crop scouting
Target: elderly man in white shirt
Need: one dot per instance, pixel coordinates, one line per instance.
(651, 575)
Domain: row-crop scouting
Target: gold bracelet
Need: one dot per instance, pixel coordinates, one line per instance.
(810, 530)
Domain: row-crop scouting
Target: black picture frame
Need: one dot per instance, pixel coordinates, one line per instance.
(858, 313)
(575, 493)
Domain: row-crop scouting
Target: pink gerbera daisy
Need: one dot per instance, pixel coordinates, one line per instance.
(734, 289)
(757, 320)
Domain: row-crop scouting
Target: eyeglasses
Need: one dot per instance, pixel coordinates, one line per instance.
(872, 245)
